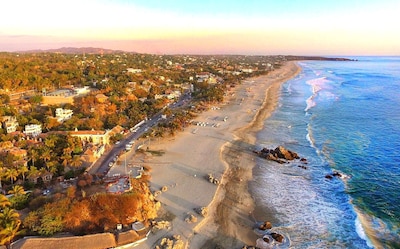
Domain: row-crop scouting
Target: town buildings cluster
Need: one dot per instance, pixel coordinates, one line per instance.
(60, 112)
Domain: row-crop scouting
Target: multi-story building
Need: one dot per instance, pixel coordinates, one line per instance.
(33, 130)
(63, 114)
(10, 123)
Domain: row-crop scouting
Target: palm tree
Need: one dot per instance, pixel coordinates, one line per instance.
(22, 169)
(4, 202)
(66, 157)
(52, 166)
(46, 155)
(12, 173)
(33, 172)
(17, 190)
(33, 155)
(76, 161)
(9, 226)
(1, 173)
(8, 215)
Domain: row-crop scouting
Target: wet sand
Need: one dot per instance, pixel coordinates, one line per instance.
(223, 149)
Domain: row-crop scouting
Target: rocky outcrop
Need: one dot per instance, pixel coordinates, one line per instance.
(277, 237)
(211, 178)
(266, 225)
(202, 211)
(269, 235)
(336, 174)
(279, 154)
(190, 218)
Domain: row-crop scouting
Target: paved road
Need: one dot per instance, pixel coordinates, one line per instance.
(102, 164)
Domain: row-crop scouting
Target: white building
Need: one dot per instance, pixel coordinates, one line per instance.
(81, 90)
(134, 70)
(63, 114)
(10, 124)
(247, 70)
(33, 130)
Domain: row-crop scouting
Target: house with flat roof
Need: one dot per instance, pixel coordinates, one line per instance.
(33, 130)
(10, 124)
(92, 136)
(63, 114)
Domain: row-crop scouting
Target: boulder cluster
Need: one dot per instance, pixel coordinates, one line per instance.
(190, 218)
(203, 211)
(335, 174)
(280, 155)
(211, 178)
(264, 226)
(269, 237)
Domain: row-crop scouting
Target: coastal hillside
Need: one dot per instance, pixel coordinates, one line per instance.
(76, 50)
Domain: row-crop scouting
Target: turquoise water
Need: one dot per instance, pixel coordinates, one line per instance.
(344, 117)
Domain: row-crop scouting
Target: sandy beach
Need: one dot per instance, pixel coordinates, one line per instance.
(221, 147)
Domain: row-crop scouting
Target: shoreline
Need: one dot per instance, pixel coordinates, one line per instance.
(224, 151)
(240, 222)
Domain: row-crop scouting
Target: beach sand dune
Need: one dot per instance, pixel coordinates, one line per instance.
(223, 148)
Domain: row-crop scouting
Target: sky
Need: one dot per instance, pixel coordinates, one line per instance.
(251, 27)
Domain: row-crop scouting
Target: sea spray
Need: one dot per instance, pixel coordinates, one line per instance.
(352, 127)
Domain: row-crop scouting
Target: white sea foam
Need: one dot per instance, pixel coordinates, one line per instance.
(360, 231)
(302, 211)
(317, 85)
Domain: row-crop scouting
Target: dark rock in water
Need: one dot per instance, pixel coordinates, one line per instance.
(303, 160)
(334, 174)
(302, 166)
(278, 237)
(337, 174)
(279, 154)
(286, 154)
(266, 225)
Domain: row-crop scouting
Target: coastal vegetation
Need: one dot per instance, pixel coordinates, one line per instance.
(125, 89)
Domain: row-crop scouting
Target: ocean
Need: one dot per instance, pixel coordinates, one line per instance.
(342, 116)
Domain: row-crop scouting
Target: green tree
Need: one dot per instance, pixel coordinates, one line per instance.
(4, 201)
(9, 226)
(12, 173)
(37, 99)
(46, 155)
(22, 170)
(19, 200)
(66, 156)
(76, 161)
(33, 154)
(2, 171)
(16, 190)
(33, 172)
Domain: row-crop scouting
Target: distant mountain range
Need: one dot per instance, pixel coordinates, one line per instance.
(73, 50)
